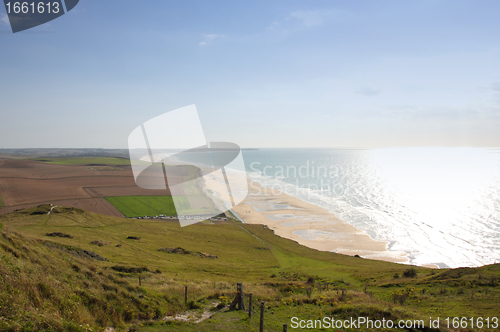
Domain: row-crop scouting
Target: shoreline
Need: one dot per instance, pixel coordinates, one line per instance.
(310, 225)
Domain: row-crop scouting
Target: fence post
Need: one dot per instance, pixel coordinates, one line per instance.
(239, 290)
(238, 300)
(262, 316)
(285, 328)
(250, 305)
(185, 294)
(239, 287)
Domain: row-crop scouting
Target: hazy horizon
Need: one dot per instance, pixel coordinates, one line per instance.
(276, 147)
(283, 74)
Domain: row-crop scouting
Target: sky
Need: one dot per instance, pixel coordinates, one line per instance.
(283, 73)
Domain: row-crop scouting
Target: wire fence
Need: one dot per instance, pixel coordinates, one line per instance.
(263, 320)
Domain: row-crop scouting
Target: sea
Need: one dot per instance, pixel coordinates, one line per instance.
(440, 205)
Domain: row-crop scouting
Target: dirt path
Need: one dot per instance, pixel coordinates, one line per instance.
(195, 316)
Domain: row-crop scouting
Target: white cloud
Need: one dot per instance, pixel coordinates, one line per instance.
(495, 86)
(309, 18)
(273, 26)
(4, 19)
(302, 19)
(209, 38)
(368, 91)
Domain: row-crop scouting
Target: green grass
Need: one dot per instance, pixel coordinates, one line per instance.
(47, 289)
(139, 206)
(276, 270)
(85, 161)
(1, 201)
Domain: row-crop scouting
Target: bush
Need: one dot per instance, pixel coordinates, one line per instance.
(410, 273)
(125, 269)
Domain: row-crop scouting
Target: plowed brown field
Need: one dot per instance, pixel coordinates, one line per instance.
(123, 191)
(26, 183)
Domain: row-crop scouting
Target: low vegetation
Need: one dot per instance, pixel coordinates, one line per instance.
(68, 284)
(140, 206)
(94, 161)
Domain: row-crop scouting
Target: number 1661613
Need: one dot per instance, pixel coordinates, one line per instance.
(32, 8)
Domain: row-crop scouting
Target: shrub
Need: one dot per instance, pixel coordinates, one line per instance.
(126, 269)
(100, 243)
(59, 234)
(410, 273)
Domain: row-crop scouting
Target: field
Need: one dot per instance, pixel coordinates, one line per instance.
(23, 191)
(139, 206)
(27, 183)
(85, 161)
(123, 190)
(56, 274)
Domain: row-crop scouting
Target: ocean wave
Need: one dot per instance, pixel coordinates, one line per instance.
(441, 206)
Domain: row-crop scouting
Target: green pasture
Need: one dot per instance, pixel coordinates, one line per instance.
(140, 206)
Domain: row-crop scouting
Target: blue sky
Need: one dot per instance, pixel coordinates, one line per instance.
(261, 73)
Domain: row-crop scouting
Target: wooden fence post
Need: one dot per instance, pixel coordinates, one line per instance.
(262, 316)
(238, 300)
(185, 294)
(285, 328)
(241, 305)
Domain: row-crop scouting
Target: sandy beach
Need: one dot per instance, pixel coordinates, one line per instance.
(310, 225)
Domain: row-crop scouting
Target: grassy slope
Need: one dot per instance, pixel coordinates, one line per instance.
(137, 206)
(47, 289)
(85, 161)
(276, 270)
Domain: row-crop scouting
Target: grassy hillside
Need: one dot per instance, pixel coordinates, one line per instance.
(50, 287)
(85, 161)
(87, 272)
